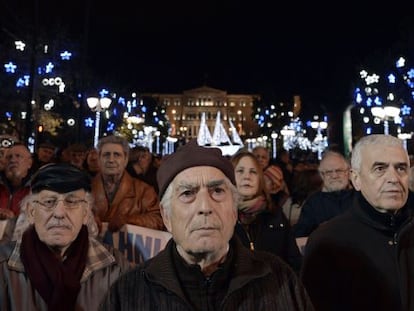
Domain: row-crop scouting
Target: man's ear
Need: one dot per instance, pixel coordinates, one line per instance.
(87, 214)
(30, 211)
(356, 180)
(166, 218)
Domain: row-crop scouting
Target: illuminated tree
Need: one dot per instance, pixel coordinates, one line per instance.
(388, 87)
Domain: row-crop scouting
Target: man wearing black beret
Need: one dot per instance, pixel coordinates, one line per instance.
(57, 264)
(203, 267)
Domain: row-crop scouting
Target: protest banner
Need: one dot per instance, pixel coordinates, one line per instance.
(137, 243)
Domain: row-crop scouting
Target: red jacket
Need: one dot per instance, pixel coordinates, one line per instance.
(10, 200)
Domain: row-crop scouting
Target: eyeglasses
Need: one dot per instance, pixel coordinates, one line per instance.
(331, 173)
(69, 203)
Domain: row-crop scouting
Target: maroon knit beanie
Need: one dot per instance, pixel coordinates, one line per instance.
(191, 155)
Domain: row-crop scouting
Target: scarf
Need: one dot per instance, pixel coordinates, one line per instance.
(56, 280)
(248, 209)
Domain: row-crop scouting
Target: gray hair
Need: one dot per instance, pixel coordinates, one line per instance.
(331, 153)
(113, 139)
(167, 197)
(411, 179)
(366, 141)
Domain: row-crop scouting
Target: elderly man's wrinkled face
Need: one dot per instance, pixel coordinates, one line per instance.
(335, 173)
(19, 161)
(202, 215)
(112, 160)
(383, 177)
(58, 217)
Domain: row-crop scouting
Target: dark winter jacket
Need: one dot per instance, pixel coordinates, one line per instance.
(320, 207)
(362, 260)
(271, 232)
(259, 281)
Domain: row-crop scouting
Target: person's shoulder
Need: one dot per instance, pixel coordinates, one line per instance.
(258, 260)
(6, 249)
(335, 229)
(275, 217)
(103, 251)
(275, 263)
(312, 199)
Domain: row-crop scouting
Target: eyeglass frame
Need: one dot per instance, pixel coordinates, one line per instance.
(329, 173)
(76, 204)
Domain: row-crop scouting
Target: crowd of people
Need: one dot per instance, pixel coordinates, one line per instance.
(235, 224)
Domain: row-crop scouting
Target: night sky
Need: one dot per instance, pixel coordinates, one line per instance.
(265, 47)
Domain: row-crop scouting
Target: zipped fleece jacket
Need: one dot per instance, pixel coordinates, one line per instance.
(260, 281)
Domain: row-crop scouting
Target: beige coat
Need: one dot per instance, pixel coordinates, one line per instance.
(104, 266)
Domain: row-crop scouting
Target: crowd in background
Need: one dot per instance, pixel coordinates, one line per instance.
(279, 200)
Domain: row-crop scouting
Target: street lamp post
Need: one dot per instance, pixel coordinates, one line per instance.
(320, 140)
(274, 147)
(157, 143)
(98, 105)
(385, 114)
(404, 137)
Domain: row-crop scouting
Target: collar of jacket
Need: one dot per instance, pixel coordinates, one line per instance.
(390, 222)
(160, 269)
(98, 258)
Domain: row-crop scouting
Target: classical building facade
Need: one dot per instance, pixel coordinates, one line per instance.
(184, 111)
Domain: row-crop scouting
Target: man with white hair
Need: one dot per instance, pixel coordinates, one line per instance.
(204, 266)
(333, 199)
(56, 262)
(364, 258)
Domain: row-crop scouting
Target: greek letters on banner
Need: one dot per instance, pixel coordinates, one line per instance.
(137, 243)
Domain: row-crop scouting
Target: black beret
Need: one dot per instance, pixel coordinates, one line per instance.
(191, 155)
(61, 178)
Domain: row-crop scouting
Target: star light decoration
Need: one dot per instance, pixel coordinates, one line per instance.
(20, 45)
(294, 136)
(10, 67)
(395, 88)
(22, 75)
(66, 55)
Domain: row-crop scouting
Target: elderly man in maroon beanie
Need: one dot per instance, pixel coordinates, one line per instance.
(204, 266)
(57, 263)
